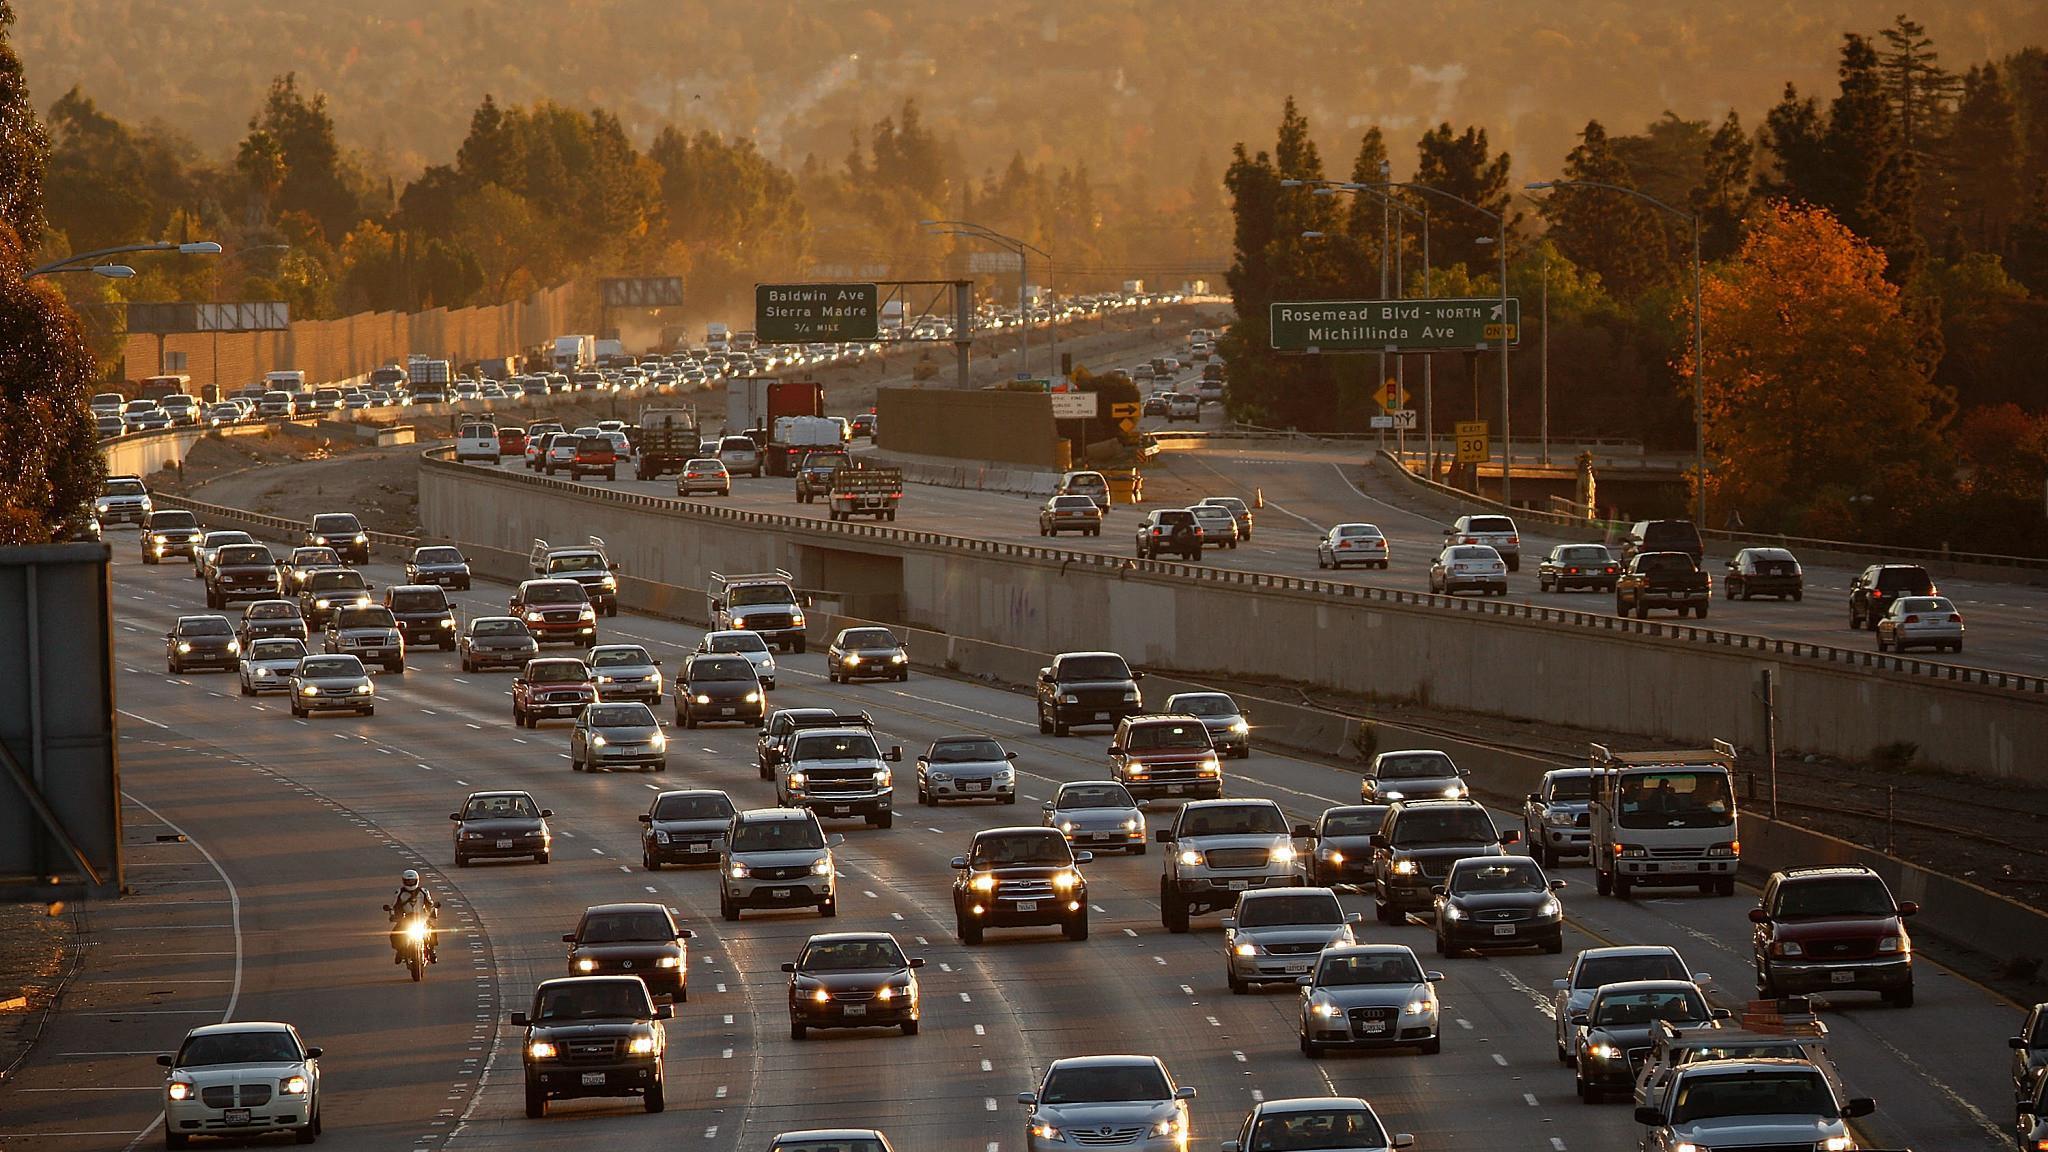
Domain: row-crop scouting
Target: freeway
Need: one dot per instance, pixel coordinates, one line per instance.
(296, 830)
(1307, 490)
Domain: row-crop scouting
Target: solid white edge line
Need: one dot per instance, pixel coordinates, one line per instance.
(235, 922)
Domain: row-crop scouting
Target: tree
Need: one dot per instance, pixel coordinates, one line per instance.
(1611, 234)
(1819, 389)
(1982, 156)
(1462, 165)
(24, 147)
(1723, 197)
(291, 148)
(1792, 140)
(1871, 181)
(1366, 221)
(2030, 242)
(1917, 87)
(52, 468)
(510, 244)
(493, 152)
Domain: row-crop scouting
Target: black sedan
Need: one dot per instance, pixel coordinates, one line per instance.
(438, 564)
(639, 939)
(1343, 844)
(853, 980)
(718, 689)
(202, 642)
(1763, 572)
(501, 826)
(1498, 902)
(495, 642)
(867, 654)
(1620, 1022)
(1571, 566)
(686, 826)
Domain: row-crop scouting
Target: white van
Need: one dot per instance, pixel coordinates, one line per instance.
(477, 441)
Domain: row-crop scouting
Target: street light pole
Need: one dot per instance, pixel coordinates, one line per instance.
(78, 261)
(1543, 376)
(1013, 244)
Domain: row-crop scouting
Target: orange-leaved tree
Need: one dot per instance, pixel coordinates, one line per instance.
(1822, 416)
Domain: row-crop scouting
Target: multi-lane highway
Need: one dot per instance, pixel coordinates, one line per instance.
(1306, 489)
(296, 831)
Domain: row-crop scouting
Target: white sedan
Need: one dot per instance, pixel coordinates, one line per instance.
(1352, 544)
(241, 1080)
(742, 643)
(1920, 622)
(268, 664)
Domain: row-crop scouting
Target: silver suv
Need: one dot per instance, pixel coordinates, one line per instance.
(1498, 531)
(1217, 849)
(777, 858)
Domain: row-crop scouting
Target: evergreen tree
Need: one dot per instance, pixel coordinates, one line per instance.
(1870, 181)
(492, 153)
(24, 147)
(1982, 156)
(292, 153)
(2029, 263)
(1365, 222)
(1723, 197)
(1463, 165)
(1792, 139)
(1606, 232)
(1917, 88)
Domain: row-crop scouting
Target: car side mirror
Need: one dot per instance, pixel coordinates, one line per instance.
(1044, 674)
(1163, 835)
(1534, 799)
(1464, 771)
(1560, 985)
(647, 818)
(1354, 917)
(387, 907)
(895, 755)
(1404, 1140)
(1578, 1018)
(2019, 1042)
(1377, 840)
(1229, 923)
(518, 680)
(665, 1012)
(568, 937)
(960, 862)
(1511, 838)
(1115, 749)
(1450, 531)
(1304, 832)
(686, 934)
(519, 1019)
(1649, 1116)
(1759, 916)
(1438, 890)
(1720, 1014)
(1432, 976)
(656, 661)
(451, 816)
(1909, 908)
(1141, 676)
(1703, 977)
(546, 812)
(314, 1052)
(1305, 981)
(1047, 806)
(788, 966)
(613, 566)
(1557, 885)
(1859, 1106)
(1185, 1093)
(917, 961)
(1084, 857)
(164, 1060)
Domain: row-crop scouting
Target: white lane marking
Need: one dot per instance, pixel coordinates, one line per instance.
(725, 1054)
(430, 711)
(1238, 1056)
(1529, 1098)
(234, 915)
(1556, 1144)
(1500, 1059)
(1187, 990)
(986, 1066)
(1213, 1022)
(1159, 960)
(1130, 932)
(144, 719)
(1467, 1024)
(965, 998)
(980, 1031)
(720, 1094)
(988, 1103)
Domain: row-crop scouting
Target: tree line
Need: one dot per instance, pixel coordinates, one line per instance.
(1875, 267)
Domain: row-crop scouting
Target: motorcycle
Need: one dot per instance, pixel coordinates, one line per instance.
(413, 933)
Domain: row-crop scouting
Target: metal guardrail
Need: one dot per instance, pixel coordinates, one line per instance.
(1640, 630)
(1739, 539)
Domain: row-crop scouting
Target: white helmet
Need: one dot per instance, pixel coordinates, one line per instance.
(409, 880)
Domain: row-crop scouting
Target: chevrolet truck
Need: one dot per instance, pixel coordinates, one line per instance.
(838, 772)
(760, 602)
(873, 492)
(1664, 818)
(587, 564)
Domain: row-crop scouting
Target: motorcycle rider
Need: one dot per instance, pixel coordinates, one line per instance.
(412, 898)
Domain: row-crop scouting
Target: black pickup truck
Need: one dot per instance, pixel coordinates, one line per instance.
(814, 475)
(1662, 580)
(592, 1036)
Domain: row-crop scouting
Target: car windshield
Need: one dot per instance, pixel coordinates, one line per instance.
(497, 628)
(1416, 766)
(607, 1000)
(277, 650)
(1268, 911)
(329, 525)
(1506, 874)
(1205, 704)
(1834, 896)
(1094, 668)
(1095, 796)
(619, 716)
(1676, 800)
(305, 556)
(851, 956)
(1489, 524)
(315, 667)
(1353, 821)
(1570, 788)
(750, 594)
(836, 746)
(867, 638)
(271, 610)
(205, 626)
(1594, 971)
(500, 808)
(1318, 1130)
(1627, 1009)
(737, 642)
(266, 1047)
(364, 618)
(620, 658)
(1104, 1085)
(579, 563)
(1019, 848)
(1584, 554)
(1086, 482)
(709, 806)
(557, 672)
(778, 836)
(421, 600)
(977, 750)
(171, 519)
(1369, 968)
(1792, 1092)
(567, 592)
(612, 927)
(1157, 737)
(125, 488)
(1233, 820)
(336, 581)
(1460, 825)
(715, 668)
(218, 540)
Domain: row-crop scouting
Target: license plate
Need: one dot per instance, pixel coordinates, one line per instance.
(1503, 929)
(856, 1009)
(840, 810)
(1239, 885)
(779, 893)
(1842, 977)
(975, 786)
(1373, 1027)
(235, 1117)
(700, 848)
(1027, 905)
(1297, 969)
(1102, 835)
(1102, 715)
(593, 1079)
(727, 711)
(504, 843)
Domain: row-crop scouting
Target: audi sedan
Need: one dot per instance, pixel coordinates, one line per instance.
(1369, 996)
(1098, 815)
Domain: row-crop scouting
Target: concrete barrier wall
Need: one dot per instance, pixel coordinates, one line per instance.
(997, 427)
(146, 454)
(1597, 675)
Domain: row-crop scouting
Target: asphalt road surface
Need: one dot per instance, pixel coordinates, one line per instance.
(297, 831)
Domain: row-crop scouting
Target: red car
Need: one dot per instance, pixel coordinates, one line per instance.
(594, 454)
(512, 441)
(558, 687)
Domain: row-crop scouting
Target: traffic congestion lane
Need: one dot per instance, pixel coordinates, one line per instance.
(944, 705)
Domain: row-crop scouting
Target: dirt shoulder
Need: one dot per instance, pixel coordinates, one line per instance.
(36, 949)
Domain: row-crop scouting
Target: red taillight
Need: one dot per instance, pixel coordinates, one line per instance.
(1955, 618)
(1610, 569)
(1571, 571)
(1514, 539)
(1158, 531)
(1469, 540)
(895, 495)
(1912, 619)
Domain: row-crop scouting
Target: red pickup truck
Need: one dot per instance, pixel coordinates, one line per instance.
(594, 454)
(558, 687)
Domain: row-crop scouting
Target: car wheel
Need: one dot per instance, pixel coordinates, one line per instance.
(797, 1031)
(1699, 610)
(648, 862)
(536, 1103)
(1237, 987)
(1173, 909)
(1058, 729)
(830, 908)
(1311, 1049)
(727, 909)
(1384, 912)
(245, 688)
(1432, 1046)
(1724, 886)
(924, 796)
(305, 1135)
(1077, 928)
(1624, 888)
(542, 857)
(882, 819)
(1900, 998)
(968, 931)
(655, 1099)
(1443, 946)
(910, 1027)
(1044, 725)
(1554, 947)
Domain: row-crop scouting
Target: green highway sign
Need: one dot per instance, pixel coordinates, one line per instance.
(815, 313)
(1393, 325)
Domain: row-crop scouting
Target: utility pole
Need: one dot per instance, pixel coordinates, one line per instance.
(1544, 374)
(1386, 241)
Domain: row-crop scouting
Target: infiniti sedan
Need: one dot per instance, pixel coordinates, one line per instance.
(853, 980)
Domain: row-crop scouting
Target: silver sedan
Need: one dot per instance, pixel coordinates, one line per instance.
(268, 664)
(1920, 622)
(1098, 815)
(1129, 1101)
(966, 768)
(335, 683)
